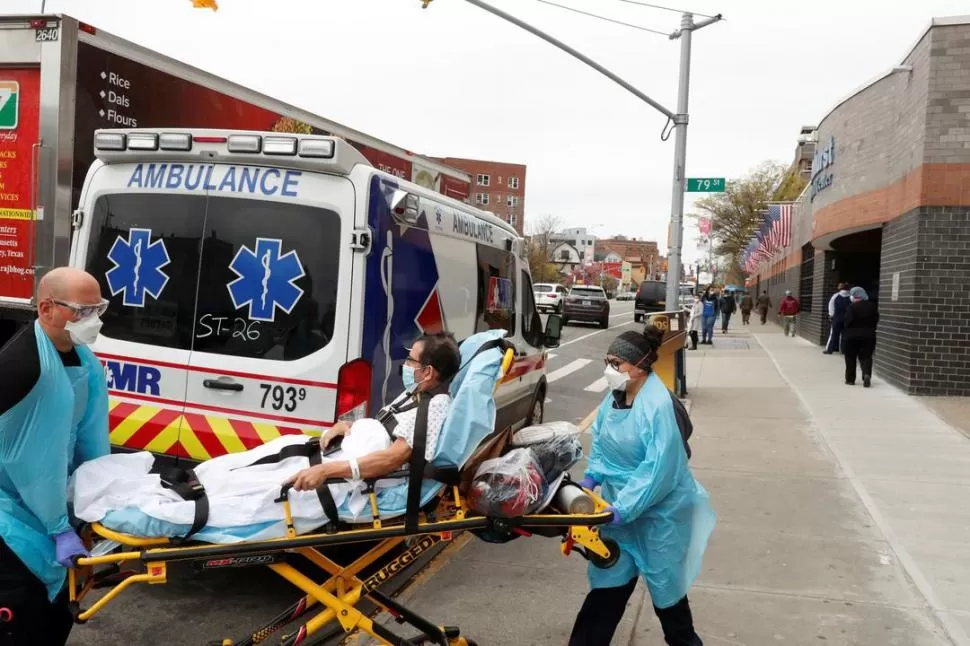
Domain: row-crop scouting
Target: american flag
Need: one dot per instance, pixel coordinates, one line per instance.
(780, 216)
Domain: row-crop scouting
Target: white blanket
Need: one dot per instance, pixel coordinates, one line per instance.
(239, 495)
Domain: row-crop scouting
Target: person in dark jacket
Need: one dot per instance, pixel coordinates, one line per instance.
(764, 304)
(838, 305)
(727, 306)
(859, 335)
(747, 304)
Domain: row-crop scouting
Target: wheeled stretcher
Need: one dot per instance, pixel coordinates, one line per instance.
(333, 592)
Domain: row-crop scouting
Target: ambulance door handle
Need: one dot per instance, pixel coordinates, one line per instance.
(216, 384)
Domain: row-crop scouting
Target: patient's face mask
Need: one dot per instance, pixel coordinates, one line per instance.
(85, 331)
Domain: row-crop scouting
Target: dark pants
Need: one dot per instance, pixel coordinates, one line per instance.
(861, 350)
(603, 609)
(764, 316)
(693, 339)
(36, 621)
(725, 317)
(835, 337)
(745, 317)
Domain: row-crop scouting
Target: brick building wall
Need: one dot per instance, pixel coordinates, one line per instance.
(898, 319)
(498, 187)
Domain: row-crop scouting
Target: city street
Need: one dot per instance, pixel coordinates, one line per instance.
(194, 607)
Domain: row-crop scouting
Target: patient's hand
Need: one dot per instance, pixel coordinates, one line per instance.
(311, 478)
(337, 430)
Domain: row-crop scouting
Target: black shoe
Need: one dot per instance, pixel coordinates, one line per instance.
(849, 383)
(866, 381)
(826, 352)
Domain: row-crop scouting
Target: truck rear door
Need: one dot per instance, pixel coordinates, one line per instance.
(19, 151)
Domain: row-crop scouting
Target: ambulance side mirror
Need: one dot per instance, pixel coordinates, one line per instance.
(553, 332)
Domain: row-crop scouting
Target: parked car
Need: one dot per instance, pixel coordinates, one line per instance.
(626, 296)
(587, 303)
(549, 296)
(651, 297)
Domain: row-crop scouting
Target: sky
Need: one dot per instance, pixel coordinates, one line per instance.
(453, 80)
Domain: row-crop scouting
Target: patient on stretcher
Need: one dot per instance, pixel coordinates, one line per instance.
(241, 488)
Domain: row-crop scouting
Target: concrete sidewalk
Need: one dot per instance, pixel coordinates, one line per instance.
(843, 518)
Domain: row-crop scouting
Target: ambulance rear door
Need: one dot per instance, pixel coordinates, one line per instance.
(273, 307)
(142, 244)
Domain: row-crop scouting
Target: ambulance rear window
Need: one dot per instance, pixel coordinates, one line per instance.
(223, 275)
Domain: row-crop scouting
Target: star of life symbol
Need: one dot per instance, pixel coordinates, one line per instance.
(266, 279)
(137, 270)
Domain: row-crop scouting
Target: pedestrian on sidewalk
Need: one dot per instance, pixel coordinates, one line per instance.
(710, 300)
(764, 304)
(662, 517)
(695, 320)
(727, 305)
(859, 336)
(788, 310)
(747, 304)
(838, 305)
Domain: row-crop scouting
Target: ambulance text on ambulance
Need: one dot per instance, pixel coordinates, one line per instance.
(225, 179)
(474, 229)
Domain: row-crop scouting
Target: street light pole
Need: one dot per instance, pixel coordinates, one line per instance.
(680, 119)
(687, 27)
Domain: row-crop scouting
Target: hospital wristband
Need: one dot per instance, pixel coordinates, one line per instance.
(354, 469)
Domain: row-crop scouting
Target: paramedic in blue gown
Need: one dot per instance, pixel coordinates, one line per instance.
(661, 516)
(53, 417)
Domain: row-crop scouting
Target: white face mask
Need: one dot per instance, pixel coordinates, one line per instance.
(85, 331)
(615, 379)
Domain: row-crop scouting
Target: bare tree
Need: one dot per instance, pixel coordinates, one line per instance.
(539, 244)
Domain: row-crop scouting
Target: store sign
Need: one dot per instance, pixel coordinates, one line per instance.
(821, 175)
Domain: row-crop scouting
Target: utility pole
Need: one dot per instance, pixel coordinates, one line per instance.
(680, 119)
(674, 254)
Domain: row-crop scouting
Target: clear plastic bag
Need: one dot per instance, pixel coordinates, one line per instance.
(544, 432)
(558, 455)
(508, 486)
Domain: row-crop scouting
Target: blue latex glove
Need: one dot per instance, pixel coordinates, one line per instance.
(588, 483)
(69, 546)
(617, 519)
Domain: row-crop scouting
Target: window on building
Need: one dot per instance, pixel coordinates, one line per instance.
(512, 200)
(483, 180)
(564, 254)
(513, 182)
(512, 219)
(481, 198)
(807, 280)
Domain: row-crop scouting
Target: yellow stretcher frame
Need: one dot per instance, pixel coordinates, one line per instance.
(337, 596)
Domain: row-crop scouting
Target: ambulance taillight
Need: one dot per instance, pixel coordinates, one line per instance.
(353, 391)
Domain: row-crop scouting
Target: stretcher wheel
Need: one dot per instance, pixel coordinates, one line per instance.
(608, 562)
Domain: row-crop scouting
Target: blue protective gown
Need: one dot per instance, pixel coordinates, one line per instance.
(61, 423)
(638, 456)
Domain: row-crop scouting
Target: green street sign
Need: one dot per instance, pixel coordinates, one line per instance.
(705, 184)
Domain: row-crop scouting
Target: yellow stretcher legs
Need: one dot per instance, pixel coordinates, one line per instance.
(337, 596)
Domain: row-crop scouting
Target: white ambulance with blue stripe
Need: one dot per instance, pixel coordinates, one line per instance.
(263, 284)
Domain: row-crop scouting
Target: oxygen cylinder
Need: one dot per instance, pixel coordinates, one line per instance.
(571, 499)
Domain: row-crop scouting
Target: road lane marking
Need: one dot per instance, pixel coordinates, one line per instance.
(586, 336)
(567, 370)
(551, 355)
(597, 386)
(586, 423)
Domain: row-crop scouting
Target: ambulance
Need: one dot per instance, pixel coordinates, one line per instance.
(263, 284)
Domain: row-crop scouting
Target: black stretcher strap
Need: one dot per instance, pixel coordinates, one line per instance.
(323, 493)
(417, 465)
(185, 483)
(305, 450)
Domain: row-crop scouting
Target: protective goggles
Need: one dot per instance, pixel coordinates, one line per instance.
(83, 311)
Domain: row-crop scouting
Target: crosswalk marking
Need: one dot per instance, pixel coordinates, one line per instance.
(597, 386)
(551, 355)
(567, 370)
